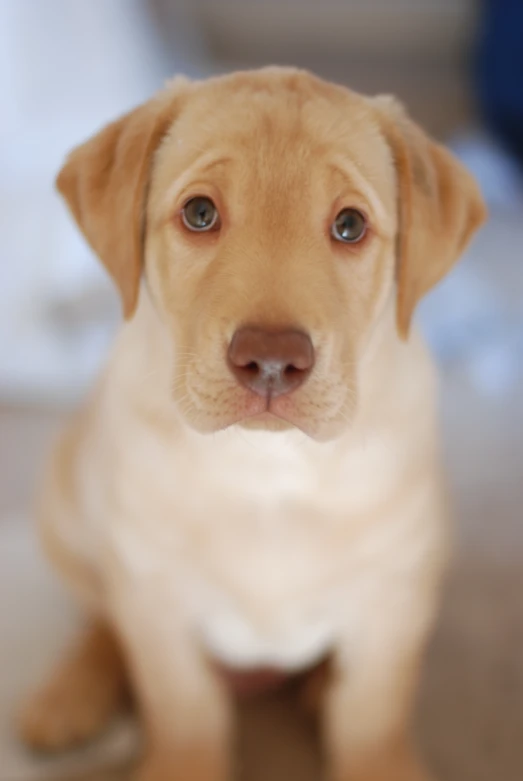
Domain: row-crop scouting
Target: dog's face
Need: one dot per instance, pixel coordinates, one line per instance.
(273, 216)
(268, 305)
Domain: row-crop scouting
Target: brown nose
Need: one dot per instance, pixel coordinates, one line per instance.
(271, 363)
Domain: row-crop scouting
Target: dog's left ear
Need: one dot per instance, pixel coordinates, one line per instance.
(104, 182)
(440, 207)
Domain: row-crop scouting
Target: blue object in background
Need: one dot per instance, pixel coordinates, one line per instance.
(499, 72)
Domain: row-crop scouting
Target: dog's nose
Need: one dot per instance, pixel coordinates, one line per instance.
(271, 363)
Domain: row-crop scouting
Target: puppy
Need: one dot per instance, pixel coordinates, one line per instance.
(255, 482)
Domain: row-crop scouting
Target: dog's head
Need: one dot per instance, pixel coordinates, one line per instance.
(273, 216)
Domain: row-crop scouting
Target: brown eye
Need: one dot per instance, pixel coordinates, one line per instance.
(349, 226)
(200, 214)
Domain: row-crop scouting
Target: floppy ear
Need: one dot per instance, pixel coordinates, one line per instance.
(104, 182)
(440, 208)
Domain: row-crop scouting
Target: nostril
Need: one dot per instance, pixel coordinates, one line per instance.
(270, 363)
(292, 376)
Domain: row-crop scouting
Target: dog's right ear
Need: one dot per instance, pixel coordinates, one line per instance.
(104, 182)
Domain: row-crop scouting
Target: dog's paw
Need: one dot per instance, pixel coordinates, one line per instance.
(85, 692)
(65, 714)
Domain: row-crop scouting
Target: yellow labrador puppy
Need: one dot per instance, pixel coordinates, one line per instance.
(255, 482)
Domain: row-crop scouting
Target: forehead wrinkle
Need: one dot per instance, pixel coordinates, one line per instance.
(351, 172)
(201, 166)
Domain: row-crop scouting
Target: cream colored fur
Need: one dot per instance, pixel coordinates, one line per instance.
(197, 527)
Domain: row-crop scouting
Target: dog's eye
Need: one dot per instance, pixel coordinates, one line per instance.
(349, 226)
(200, 214)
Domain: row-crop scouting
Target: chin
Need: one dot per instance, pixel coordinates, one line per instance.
(266, 422)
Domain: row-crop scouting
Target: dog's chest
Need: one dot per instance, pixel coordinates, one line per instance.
(252, 548)
(260, 600)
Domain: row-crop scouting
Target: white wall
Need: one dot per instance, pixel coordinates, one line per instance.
(66, 68)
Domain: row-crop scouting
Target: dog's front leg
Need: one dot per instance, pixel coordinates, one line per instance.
(369, 699)
(185, 710)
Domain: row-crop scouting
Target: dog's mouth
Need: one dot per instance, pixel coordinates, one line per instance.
(316, 412)
(273, 414)
(261, 414)
(247, 411)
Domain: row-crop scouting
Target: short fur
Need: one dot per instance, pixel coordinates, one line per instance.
(196, 525)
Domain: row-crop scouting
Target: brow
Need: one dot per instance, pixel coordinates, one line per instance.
(351, 173)
(200, 166)
(212, 164)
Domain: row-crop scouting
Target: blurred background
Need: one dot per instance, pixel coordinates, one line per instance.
(69, 66)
